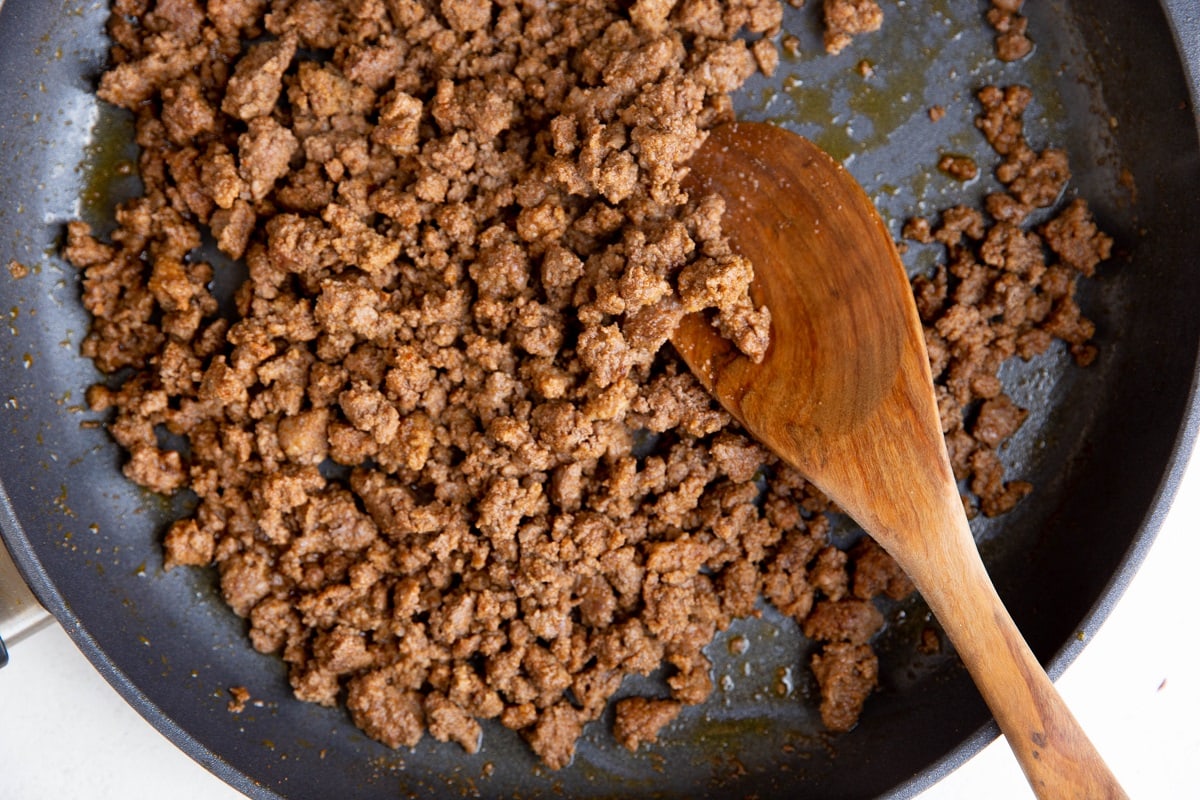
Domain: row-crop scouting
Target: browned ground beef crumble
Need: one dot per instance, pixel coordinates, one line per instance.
(466, 245)
(1010, 25)
(845, 19)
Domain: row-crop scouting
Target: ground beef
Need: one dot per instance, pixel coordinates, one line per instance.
(846, 673)
(384, 710)
(845, 19)
(639, 719)
(1003, 290)
(443, 463)
(854, 621)
(1011, 42)
(876, 573)
(238, 695)
(553, 736)
(962, 168)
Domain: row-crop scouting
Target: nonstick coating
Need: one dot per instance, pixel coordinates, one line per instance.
(1105, 446)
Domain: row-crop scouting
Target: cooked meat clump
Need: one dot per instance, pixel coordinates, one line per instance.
(845, 19)
(1012, 43)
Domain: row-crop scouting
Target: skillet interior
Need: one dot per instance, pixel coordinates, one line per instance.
(1098, 446)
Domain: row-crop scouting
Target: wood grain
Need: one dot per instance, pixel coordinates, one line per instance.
(845, 395)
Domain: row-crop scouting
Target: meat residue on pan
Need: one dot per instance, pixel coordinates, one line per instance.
(444, 465)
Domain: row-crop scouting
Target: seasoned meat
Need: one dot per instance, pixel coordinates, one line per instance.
(845, 19)
(443, 461)
(640, 719)
(1005, 290)
(846, 674)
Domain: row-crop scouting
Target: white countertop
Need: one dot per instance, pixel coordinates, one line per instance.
(64, 733)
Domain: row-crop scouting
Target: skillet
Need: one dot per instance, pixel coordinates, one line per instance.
(1105, 446)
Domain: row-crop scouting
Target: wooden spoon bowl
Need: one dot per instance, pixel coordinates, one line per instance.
(844, 394)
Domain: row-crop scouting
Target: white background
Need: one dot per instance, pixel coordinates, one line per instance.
(64, 733)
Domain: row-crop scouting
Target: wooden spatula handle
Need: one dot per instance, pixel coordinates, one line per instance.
(1058, 758)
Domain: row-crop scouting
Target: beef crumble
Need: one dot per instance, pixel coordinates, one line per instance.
(845, 19)
(1012, 43)
(444, 466)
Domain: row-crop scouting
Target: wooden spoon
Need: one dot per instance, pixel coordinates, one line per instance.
(845, 395)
